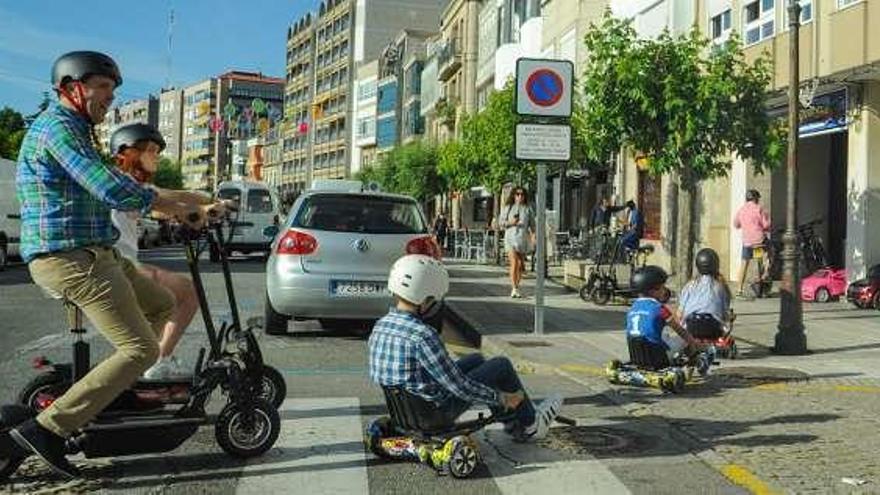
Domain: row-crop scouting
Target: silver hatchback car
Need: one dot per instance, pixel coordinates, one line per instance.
(330, 260)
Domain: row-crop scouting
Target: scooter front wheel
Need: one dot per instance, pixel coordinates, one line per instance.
(273, 388)
(247, 431)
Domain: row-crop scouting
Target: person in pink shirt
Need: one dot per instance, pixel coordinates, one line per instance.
(755, 223)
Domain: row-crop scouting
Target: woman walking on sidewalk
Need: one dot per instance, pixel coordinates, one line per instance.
(518, 221)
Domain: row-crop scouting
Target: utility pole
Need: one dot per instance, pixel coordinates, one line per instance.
(790, 337)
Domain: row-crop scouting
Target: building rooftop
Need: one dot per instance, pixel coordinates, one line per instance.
(251, 77)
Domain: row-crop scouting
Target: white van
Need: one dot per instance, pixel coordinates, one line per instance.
(10, 225)
(258, 209)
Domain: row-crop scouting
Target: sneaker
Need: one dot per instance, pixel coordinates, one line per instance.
(545, 414)
(46, 445)
(516, 294)
(167, 368)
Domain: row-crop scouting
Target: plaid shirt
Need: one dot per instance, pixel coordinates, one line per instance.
(66, 191)
(405, 351)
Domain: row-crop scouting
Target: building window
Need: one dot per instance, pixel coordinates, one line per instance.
(842, 4)
(806, 13)
(720, 26)
(650, 204)
(758, 21)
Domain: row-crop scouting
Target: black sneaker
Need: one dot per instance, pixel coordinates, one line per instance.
(46, 445)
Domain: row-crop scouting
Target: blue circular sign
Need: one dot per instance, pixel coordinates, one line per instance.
(544, 87)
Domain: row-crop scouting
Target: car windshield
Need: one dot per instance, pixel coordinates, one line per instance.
(230, 193)
(358, 213)
(259, 201)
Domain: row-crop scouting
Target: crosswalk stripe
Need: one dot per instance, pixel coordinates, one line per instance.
(320, 450)
(523, 468)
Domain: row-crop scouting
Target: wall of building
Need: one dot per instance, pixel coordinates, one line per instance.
(863, 184)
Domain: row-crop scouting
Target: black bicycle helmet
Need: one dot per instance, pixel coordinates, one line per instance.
(77, 66)
(707, 262)
(129, 135)
(753, 195)
(647, 278)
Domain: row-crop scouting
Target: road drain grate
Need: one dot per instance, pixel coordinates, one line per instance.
(529, 343)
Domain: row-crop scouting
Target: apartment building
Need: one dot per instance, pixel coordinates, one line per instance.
(170, 122)
(140, 111)
(839, 163)
(324, 50)
(398, 93)
(197, 137)
(364, 129)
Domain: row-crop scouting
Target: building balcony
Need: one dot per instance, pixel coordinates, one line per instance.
(448, 59)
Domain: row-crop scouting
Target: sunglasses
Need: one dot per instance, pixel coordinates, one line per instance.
(519, 193)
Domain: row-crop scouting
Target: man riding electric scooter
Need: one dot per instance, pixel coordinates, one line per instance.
(66, 193)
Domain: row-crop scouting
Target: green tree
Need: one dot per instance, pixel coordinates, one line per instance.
(683, 106)
(12, 130)
(168, 175)
(408, 169)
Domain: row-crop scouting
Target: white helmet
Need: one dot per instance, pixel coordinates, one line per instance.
(416, 277)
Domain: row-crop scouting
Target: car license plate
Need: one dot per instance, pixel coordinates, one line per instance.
(339, 288)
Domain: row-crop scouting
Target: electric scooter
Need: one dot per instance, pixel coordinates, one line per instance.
(247, 426)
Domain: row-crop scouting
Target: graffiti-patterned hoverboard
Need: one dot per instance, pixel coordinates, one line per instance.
(668, 376)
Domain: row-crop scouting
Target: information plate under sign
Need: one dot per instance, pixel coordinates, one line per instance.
(543, 87)
(543, 142)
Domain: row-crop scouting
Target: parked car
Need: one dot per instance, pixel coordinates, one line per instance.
(10, 211)
(258, 208)
(149, 233)
(331, 258)
(865, 293)
(825, 285)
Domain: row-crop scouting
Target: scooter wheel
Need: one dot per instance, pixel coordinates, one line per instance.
(247, 432)
(273, 388)
(601, 296)
(464, 458)
(585, 292)
(51, 383)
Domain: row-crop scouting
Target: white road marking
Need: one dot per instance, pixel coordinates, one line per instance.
(319, 451)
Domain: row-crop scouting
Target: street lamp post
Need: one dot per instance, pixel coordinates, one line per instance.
(790, 337)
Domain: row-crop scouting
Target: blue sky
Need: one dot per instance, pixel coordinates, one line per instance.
(210, 37)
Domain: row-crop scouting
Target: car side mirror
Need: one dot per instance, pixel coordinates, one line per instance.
(270, 231)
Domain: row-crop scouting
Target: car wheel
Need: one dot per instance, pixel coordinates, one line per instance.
(214, 254)
(875, 301)
(275, 323)
(4, 257)
(822, 295)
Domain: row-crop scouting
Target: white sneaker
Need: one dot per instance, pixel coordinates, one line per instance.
(545, 414)
(167, 368)
(515, 293)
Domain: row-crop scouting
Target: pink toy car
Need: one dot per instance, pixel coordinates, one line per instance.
(824, 285)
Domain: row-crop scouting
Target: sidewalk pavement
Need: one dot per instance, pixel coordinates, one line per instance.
(844, 341)
(794, 424)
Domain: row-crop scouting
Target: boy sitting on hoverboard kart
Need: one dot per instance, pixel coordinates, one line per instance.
(405, 351)
(647, 319)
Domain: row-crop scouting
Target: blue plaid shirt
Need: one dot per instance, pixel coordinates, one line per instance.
(405, 351)
(66, 191)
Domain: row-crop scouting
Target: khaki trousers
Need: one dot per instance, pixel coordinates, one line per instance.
(129, 309)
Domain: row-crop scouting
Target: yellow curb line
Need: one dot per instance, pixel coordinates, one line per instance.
(744, 478)
(779, 387)
(583, 369)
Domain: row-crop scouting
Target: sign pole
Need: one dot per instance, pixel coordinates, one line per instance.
(540, 246)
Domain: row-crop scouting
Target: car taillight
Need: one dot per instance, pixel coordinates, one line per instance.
(424, 245)
(296, 242)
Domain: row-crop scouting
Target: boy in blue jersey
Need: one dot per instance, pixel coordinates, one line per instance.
(649, 316)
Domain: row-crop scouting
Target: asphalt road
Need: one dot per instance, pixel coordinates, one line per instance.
(329, 401)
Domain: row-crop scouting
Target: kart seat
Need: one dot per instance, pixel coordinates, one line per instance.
(703, 326)
(647, 355)
(409, 412)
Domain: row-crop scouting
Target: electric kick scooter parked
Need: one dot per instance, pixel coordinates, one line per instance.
(139, 423)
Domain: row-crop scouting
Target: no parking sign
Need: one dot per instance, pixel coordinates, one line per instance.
(543, 87)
